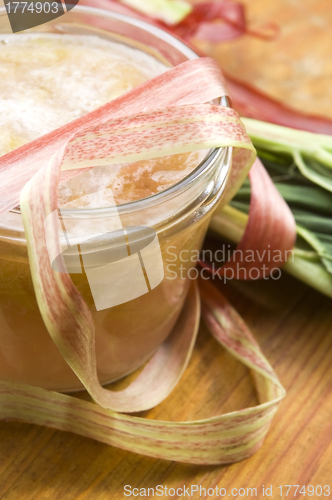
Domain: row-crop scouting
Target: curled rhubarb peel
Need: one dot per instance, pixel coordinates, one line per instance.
(63, 309)
(221, 439)
(66, 315)
(270, 233)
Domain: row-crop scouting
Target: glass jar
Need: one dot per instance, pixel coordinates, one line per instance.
(127, 333)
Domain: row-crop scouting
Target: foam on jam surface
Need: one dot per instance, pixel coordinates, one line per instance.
(48, 80)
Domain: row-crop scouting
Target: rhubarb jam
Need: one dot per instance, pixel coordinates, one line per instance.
(48, 80)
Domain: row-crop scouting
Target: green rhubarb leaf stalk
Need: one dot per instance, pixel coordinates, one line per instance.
(169, 11)
(300, 164)
(230, 223)
(311, 152)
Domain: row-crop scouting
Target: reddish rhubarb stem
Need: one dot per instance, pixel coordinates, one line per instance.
(253, 103)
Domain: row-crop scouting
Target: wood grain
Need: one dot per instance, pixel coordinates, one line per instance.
(292, 323)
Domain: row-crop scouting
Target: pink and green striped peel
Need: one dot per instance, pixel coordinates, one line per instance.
(132, 138)
(173, 130)
(173, 118)
(270, 228)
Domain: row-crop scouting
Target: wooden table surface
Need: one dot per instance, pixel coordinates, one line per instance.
(292, 323)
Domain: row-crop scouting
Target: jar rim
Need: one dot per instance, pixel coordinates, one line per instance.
(188, 180)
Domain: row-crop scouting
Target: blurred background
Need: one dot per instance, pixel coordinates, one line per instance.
(295, 67)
